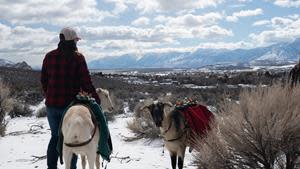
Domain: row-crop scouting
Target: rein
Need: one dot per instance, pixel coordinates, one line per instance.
(93, 134)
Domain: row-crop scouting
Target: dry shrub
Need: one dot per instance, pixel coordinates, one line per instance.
(42, 112)
(20, 110)
(118, 108)
(142, 124)
(6, 105)
(261, 131)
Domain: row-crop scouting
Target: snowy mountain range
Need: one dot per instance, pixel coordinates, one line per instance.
(277, 54)
(20, 65)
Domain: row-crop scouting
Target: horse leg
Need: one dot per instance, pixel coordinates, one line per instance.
(83, 161)
(97, 161)
(67, 158)
(173, 159)
(181, 158)
(91, 159)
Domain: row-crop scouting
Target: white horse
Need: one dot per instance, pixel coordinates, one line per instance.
(81, 135)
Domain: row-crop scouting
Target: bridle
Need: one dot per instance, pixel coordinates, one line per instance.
(93, 133)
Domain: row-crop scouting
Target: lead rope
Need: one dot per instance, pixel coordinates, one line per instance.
(105, 165)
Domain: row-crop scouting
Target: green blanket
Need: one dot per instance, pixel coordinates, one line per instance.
(104, 144)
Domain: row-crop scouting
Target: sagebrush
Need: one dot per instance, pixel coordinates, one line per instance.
(6, 105)
(19, 110)
(260, 131)
(142, 124)
(42, 112)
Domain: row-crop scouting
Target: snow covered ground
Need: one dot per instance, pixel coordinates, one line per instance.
(17, 151)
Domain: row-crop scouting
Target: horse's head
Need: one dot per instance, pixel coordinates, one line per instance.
(157, 111)
(106, 102)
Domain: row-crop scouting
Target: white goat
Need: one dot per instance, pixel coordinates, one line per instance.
(78, 128)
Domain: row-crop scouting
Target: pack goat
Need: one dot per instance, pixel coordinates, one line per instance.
(172, 128)
(79, 129)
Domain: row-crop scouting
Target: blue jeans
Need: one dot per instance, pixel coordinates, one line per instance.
(54, 116)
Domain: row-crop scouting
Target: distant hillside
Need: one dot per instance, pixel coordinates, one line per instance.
(281, 53)
(19, 65)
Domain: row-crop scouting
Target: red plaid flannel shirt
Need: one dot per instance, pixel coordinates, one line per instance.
(63, 77)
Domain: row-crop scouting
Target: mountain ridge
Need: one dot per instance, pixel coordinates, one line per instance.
(20, 65)
(280, 53)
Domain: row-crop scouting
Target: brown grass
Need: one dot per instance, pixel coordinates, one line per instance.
(261, 131)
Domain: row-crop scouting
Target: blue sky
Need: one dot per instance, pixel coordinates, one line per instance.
(109, 28)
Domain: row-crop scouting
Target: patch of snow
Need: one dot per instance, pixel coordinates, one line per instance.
(193, 86)
(17, 151)
(37, 107)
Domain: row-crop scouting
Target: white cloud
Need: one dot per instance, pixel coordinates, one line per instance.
(213, 32)
(120, 6)
(148, 6)
(244, 1)
(278, 22)
(294, 16)
(244, 13)
(178, 27)
(190, 20)
(144, 6)
(156, 34)
(162, 18)
(142, 21)
(261, 23)
(288, 3)
(283, 29)
(26, 44)
(175, 5)
(55, 12)
(195, 26)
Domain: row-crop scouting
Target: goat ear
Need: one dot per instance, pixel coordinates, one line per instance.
(98, 90)
(169, 104)
(144, 107)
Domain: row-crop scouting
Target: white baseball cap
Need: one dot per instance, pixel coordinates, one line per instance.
(69, 34)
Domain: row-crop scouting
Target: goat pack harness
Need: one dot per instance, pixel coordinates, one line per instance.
(93, 133)
(177, 138)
